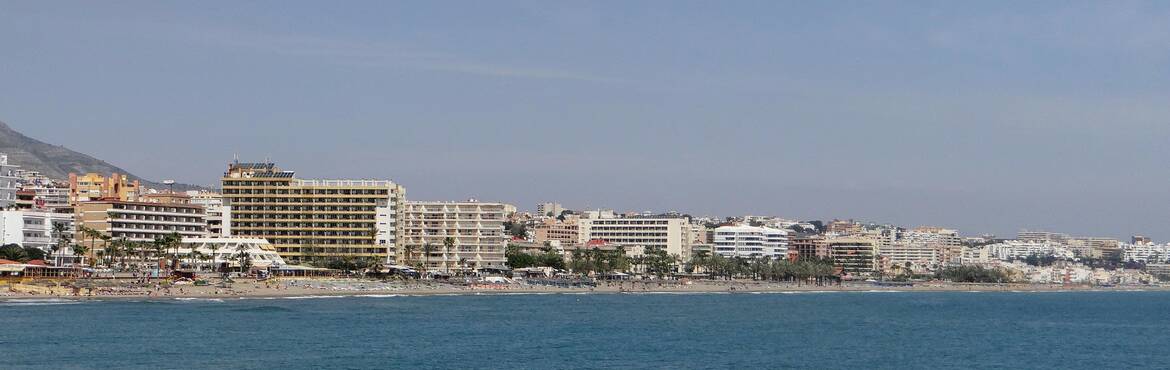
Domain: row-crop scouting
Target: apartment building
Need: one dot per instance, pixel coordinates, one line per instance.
(213, 206)
(138, 221)
(33, 227)
(669, 233)
(549, 209)
(809, 246)
(916, 256)
(9, 182)
(312, 220)
(567, 232)
(92, 186)
(476, 230)
(854, 256)
(750, 242)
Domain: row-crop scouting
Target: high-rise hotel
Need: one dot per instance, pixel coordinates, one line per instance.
(309, 220)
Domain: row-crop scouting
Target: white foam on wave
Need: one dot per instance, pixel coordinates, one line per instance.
(37, 302)
(379, 295)
(195, 299)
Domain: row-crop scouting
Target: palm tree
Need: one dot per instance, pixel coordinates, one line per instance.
(64, 239)
(448, 244)
(79, 251)
(409, 254)
(427, 248)
(214, 248)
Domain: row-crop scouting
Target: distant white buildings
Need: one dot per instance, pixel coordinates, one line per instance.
(1146, 253)
(1015, 249)
(750, 242)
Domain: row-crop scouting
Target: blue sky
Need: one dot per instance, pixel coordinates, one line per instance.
(986, 116)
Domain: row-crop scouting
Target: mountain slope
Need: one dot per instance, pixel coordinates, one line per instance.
(56, 161)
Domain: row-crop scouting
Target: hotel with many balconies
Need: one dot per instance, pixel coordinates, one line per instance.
(312, 220)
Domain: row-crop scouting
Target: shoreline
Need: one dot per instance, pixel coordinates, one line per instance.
(342, 288)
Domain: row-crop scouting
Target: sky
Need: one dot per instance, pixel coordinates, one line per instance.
(985, 116)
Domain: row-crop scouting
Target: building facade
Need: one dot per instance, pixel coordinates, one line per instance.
(137, 221)
(9, 182)
(567, 232)
(750, 242)
(34, 228)
(854, 256)
(312, 220)
(476, 230)
(92, 186)
(669, 233)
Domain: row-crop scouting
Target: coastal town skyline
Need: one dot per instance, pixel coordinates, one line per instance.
(921, 114)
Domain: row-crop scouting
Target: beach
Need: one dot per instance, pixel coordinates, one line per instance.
(313, 287)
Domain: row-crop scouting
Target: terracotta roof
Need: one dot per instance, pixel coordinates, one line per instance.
(7, 262)
(38, 262)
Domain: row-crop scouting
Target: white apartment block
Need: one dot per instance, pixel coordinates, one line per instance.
(669, 233)
(1146, 253)
(750, 242)
(477, 229)
(33, 228)
(1013, 249)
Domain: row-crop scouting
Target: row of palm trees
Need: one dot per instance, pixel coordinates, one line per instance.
(764, 268)
(130, 255)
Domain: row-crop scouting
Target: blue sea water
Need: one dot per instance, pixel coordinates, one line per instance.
(1058, 330)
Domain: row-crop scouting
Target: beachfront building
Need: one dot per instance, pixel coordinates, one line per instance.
(476, 230)
(912, 256)
(808, 246)
(92, 186)
(217, 251)
(853, 256)
(33, 228)
(671, 233)
(750, 242)
(312, 220)
(136, 221)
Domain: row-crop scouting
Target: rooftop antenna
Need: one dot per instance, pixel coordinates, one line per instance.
(236, 158)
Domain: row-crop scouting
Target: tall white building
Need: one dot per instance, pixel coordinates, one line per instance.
(750, 242)
(477, 229)
(669, 233)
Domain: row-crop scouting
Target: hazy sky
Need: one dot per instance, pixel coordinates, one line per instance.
(985, 116)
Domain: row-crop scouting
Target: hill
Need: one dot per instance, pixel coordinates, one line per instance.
(57, 162)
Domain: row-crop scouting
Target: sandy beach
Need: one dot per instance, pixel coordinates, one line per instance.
(318, 287)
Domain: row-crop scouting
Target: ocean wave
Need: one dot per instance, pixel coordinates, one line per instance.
(194, 299)
(37, 302)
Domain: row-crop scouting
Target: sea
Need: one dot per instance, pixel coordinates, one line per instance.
(805, 330)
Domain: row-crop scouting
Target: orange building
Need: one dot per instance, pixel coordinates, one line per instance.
(92, 186)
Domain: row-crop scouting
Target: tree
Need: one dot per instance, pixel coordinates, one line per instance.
(448, 244)
(64, 239)
(518, 259)
(427, 248)
(34, 253)
(13, 252)
(409, 248)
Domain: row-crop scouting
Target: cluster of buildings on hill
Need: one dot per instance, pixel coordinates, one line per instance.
(306, 221)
